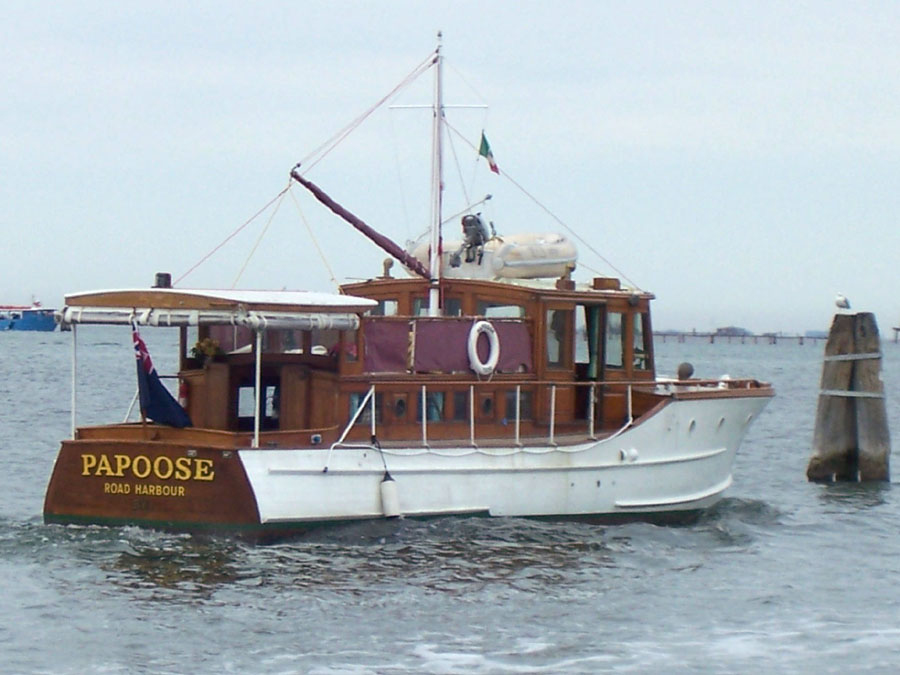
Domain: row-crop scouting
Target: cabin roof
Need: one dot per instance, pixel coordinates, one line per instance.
(221, 300)
(539, 287)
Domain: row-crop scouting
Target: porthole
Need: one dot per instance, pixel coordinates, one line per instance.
(487, 406)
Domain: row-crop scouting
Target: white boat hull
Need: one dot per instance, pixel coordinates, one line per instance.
(676, 460)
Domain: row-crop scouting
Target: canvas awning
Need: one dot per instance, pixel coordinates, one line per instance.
(258, 310)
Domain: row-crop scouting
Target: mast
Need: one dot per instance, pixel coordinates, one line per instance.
(437, 186)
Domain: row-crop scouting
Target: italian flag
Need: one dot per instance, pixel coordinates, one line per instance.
(485, 151)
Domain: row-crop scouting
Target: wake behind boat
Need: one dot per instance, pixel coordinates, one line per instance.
(489, 382)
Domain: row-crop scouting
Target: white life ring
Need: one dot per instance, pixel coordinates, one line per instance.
(485, 367)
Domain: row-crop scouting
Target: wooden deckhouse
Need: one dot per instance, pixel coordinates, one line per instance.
(566, 359)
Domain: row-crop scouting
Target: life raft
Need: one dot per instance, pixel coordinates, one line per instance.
(516, 256)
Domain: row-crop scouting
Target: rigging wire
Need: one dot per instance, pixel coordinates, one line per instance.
(329, 145)
(232, 235)
(550, 213)
(260, 237)
(458, 167)
(315, 241)
(399, 168)
(325, 148)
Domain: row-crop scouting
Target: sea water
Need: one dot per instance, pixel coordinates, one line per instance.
(782, 575)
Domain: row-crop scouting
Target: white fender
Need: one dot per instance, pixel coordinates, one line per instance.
(486, 367)
(390, 503)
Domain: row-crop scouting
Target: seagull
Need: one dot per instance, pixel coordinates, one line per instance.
(841, 301)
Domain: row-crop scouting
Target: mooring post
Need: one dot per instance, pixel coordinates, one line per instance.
(851, 441)
(872, 434)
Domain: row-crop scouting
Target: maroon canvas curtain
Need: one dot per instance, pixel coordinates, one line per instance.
(442, 346)
(387, 346)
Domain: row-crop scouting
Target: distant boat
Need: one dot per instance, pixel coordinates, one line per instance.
(27, 317)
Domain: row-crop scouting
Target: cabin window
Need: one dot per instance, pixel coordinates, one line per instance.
(615, 334)
(452, 307)
(434, 405)
(524, 405)
(348, 345)
(588, 323)
(230, 338)
(461, 406)
(385, 308)
(365, 417)
(324, 342)
(270, 404)
(191, 339)
(420, 307)
(558, 321)
(499, 310)
(641, 348)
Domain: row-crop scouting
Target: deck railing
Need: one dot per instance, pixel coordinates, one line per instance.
(367, 405)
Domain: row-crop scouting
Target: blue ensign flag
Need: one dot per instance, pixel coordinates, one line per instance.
(157, 403)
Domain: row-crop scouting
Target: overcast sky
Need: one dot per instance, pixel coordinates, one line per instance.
(738, 159)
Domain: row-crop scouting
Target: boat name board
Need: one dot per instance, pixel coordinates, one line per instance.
(143, 467)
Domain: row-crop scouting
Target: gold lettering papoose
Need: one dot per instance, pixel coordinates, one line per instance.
(142, 466)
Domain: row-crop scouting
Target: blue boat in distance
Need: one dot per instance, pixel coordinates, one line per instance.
(27, 317)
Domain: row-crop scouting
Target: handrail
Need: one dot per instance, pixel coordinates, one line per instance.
(370, 395)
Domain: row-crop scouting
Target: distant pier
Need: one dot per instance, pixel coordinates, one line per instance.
(749, 339)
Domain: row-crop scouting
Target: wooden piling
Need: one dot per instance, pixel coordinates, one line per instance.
(872, 434)
(851, 441)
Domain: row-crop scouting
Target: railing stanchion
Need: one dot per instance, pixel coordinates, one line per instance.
(74, 375)
(472, 414)
(424, 416)
(372, 402)
(591, 411)
(552, 413)
(518, 412)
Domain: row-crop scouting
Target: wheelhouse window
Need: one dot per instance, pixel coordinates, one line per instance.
(558, 322)
(588, 328)
(385, 308)
(452, 307)
(641, 342)
(615, 336)
(499, 310)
